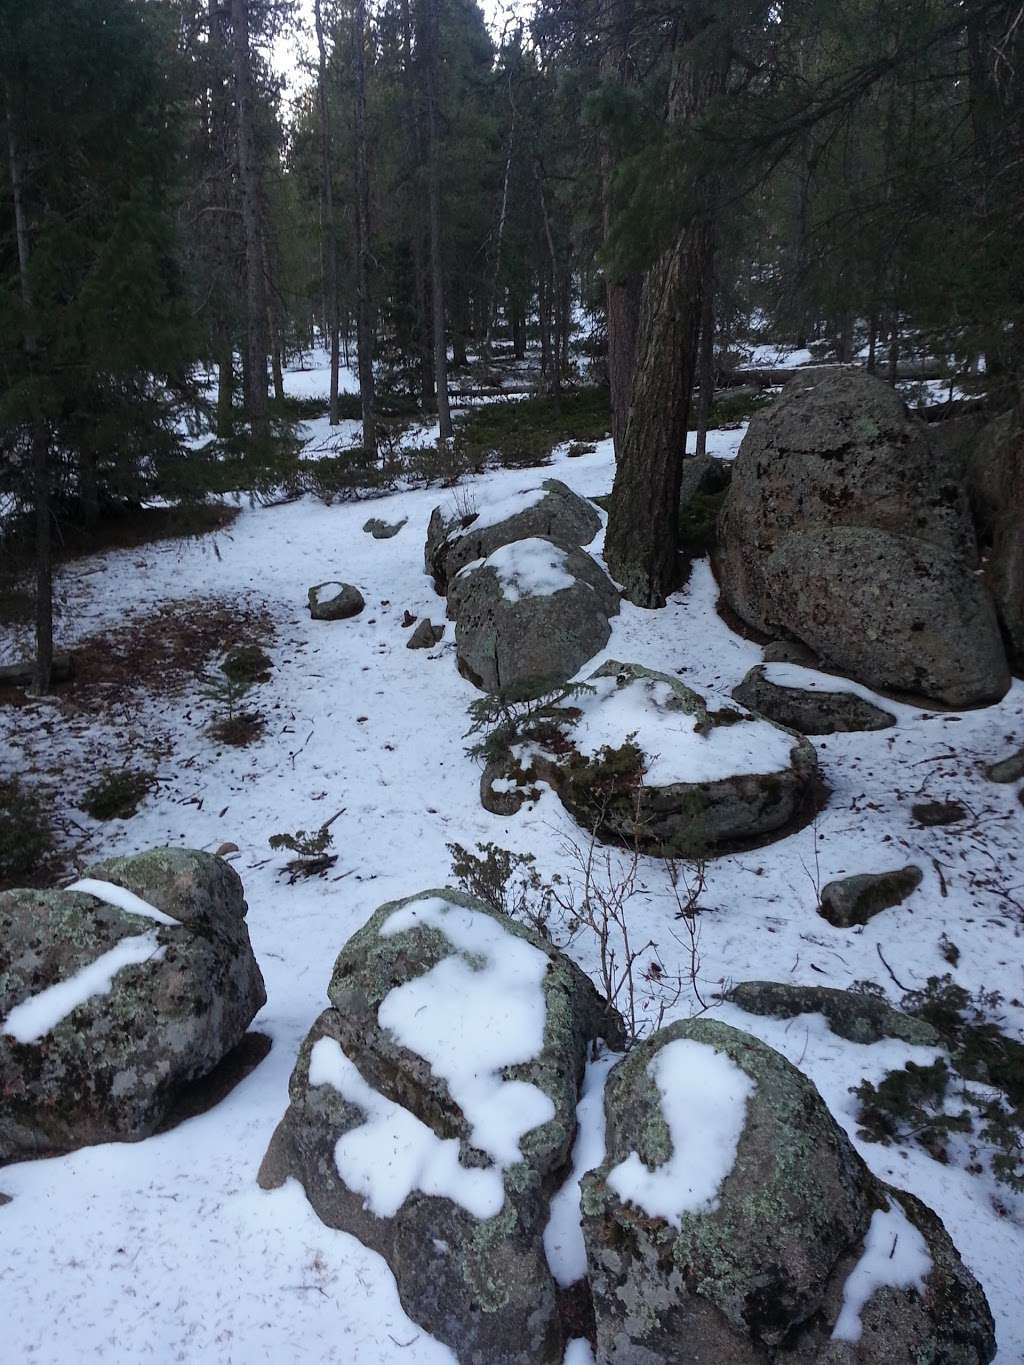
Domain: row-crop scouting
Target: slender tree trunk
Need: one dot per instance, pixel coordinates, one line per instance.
(553, 349)
(329, 235)
(518, 327)
(872, 342)
(248, 174)
(40, 436)
(418, 231)
(430, 63)
(502, 215)
(364, 322)
(706, 365)
(225, 383)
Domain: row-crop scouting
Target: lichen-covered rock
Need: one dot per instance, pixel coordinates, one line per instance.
(851, 1015)
(529, 616)
(803, 700)
(334, 601)
(466, 1034)
(550, 509)
(847, 528)
(740, 1246)
(857, 899)
(637, 756)
(148, 1004)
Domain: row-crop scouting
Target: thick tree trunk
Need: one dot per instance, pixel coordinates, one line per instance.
(623, 305)
(364, 321)
(329, 236)
(622, 293)
(641, 544)
(248, 174)
(431, 58)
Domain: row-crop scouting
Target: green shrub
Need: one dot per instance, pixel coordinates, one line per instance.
(26, 838)
(698, 523)
(118, 793)
(247, 664)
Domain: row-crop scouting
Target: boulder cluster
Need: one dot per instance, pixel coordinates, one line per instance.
(707, 1210)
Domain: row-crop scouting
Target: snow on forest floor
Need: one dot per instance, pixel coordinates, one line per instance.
(166, 1250)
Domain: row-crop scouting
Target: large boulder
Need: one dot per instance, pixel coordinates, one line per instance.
(896, 612)
(995, 482)
(732, 1223)
(637, 757)
(432, 1115)
(116, 994)
(810, 702)
(551, 509)
(847, 527)
(529, 616)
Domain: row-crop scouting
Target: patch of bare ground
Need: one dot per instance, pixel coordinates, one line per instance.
(131, 687)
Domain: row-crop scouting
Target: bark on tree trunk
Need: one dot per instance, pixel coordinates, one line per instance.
(642, 542)
(623, 304)
(364, 321)
(329, 250)
(248, 174)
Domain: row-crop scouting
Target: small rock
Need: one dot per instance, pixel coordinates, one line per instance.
(335, 601)
(938, 812)
(855, 900)
(425, 636)
(851, 1015)
(23, 674)
(383, 530)
(805, 702)
(1009, 769)
(225, 849)
(408, 619)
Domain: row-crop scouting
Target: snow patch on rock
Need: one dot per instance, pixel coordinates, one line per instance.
(37, 1016)
(393, 1153)
(704, 1098)
(122, 899)
(667, 735)
(471, 1016)
(895, 1256)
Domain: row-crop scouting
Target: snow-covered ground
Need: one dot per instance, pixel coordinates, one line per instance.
(167, 1250)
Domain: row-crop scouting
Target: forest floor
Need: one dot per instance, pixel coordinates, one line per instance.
(167, 1249)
